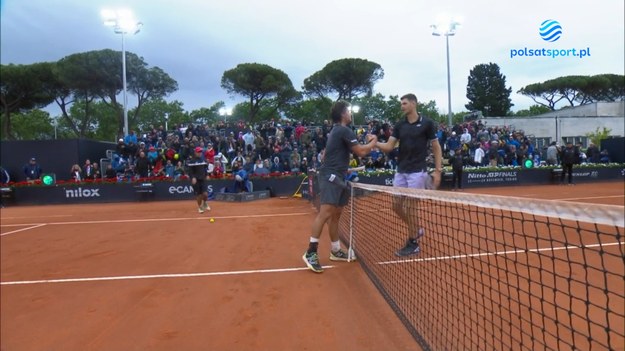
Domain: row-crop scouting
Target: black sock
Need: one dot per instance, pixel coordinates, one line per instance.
(312, 247)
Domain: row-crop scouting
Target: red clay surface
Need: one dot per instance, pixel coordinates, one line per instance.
(284, 310)
(168, 279)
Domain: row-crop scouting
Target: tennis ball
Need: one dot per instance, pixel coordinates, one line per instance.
(212, 220)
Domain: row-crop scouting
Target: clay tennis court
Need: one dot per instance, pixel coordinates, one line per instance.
(160, 276)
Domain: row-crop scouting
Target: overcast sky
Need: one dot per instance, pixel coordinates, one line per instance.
(196, 41)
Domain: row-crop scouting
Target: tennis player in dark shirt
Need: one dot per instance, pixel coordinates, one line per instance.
(413, 133)
(334, 192)
(197, 172)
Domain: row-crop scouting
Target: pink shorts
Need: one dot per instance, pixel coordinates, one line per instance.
(419, 180)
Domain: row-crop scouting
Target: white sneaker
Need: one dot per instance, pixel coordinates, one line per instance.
(200, 210)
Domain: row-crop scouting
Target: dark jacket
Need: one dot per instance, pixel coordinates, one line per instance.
(457, 161)
(32, 171)
(570, 155)
(143, 167)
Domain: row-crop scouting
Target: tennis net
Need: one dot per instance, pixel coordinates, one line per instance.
(494, 273)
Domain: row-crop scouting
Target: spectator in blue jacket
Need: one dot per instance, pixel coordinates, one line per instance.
(240, 179)
(453, 143)
(152, 155)
(32, 171)
(169, 169)
(130, 138)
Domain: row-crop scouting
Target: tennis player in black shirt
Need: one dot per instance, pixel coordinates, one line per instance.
(197, 172)
(334, 192)
(413, 133)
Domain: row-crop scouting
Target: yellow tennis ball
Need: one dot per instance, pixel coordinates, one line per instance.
(212, 220)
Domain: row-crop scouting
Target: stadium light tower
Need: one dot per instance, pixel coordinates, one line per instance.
(354, 109)
(225, 112)
(123, 22)
(446, 26)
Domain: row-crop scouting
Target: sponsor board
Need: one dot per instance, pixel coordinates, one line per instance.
(508, 177)
(186, 189)
(585, 174)
(80, 192)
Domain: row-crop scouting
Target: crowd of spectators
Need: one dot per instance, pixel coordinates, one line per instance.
(274, 148)
(268, 148)
(499, 146)
(294, 147)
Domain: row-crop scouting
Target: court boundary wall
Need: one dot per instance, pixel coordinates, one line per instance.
(299, 186)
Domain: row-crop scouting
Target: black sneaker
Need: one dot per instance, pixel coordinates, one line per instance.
(312, 261)
(412, 248)
(340, 255)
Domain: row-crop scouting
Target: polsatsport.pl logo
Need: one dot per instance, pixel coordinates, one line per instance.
(550, 31)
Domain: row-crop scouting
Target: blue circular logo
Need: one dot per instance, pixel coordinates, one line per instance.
(550, 30)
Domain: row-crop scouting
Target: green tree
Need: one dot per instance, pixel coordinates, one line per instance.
(266, 111)
(153, 112)
(598, 135)
(487, 92)
(576, 90)
(344, 78)
(547, 91)
(314, 110)
(22, 89)
(33, 124)
(430, 110)
(377, 107)
(259, 82)
(533, 110)
(95, 76)
(102, 120)
(604, 87)
(572, 89)
(210, 115)
(83, 78)
(456, 117)
(149, 84)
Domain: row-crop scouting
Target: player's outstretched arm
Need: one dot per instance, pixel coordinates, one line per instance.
(388, 146)
(361, 150)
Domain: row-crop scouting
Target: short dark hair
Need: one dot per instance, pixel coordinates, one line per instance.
(337, 110)
(411, 97)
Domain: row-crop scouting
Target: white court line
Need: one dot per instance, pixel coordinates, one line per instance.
(50, 216)
(20, 225)
(510, 252)
(157, 276)
(590, 198)
(21, 230)
(206, 217)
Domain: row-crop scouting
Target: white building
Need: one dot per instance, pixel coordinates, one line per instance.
(568, 124)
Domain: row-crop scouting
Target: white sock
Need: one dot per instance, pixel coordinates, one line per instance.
(336, 245)
(314, 240)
